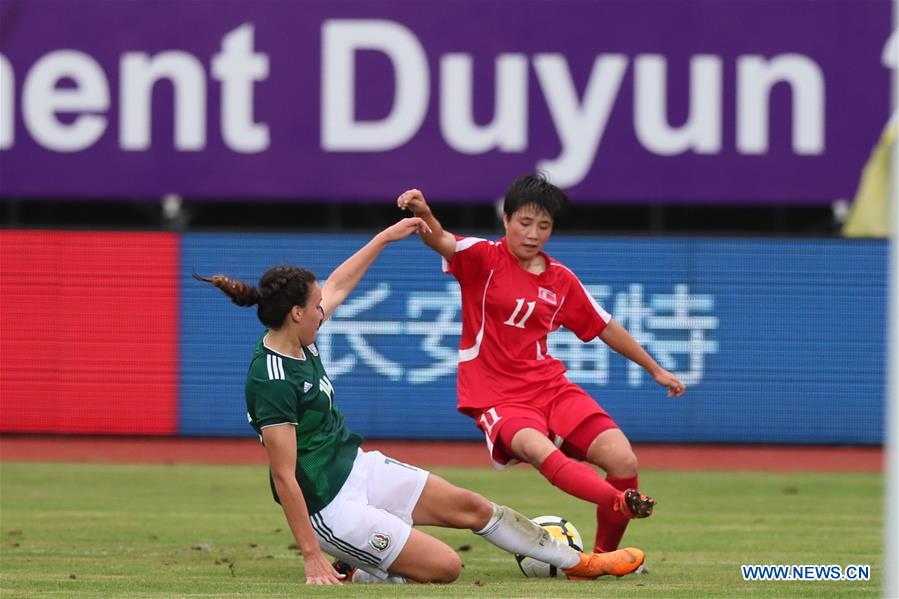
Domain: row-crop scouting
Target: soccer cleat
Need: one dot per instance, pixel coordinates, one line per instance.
(616, 563)
(345, 569)
(634, 504)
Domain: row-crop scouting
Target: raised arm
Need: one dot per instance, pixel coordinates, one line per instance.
(346, 276)
(442, 242)
(281, 446)
(617, 337)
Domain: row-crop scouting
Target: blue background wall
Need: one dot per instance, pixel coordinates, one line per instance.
(779, 340)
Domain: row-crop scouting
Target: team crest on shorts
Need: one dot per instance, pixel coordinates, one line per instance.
(379, 541)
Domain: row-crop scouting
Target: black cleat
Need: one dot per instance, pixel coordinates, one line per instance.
(634, 504)
(345, 569)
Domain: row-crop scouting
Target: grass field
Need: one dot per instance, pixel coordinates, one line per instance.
(93, 530)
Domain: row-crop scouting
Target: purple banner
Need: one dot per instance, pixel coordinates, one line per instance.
(618, 101)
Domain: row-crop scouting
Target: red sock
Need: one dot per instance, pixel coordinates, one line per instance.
(578, 479)
(611, 524)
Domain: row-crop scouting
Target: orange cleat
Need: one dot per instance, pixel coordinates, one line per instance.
(616, 563)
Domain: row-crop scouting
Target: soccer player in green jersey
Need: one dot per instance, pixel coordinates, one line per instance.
(360, 506)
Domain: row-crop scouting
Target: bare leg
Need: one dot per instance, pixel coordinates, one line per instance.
(612, 452)
(444, 504)
(427, 559)
(531, 446)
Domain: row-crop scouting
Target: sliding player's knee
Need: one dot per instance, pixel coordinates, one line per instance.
(446, 568)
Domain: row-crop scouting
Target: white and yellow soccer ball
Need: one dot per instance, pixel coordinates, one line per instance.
(559, 528)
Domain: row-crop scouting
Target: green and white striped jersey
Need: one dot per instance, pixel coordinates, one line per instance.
(282, 389)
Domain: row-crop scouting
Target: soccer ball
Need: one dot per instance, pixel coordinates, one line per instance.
(561, 529)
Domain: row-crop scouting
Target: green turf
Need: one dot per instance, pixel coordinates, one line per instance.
(89, 530)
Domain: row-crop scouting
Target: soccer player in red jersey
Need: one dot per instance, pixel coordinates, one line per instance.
(513, 295)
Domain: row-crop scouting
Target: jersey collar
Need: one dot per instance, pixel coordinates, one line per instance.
(505, 243)
(302, 357)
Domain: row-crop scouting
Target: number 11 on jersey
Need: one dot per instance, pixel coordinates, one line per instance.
(519, 304)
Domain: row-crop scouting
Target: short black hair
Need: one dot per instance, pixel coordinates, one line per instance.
(534, 190)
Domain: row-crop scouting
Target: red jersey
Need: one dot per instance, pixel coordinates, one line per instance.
(507, 313)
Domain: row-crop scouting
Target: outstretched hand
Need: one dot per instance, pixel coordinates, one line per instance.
(404, 228)
(413, 201)
(675, 387)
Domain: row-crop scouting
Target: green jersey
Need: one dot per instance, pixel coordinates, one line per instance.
(282, 389)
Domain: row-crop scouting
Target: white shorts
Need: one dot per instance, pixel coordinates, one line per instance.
(369, 521)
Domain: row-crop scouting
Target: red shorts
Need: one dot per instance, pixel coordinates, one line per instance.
(570, 417)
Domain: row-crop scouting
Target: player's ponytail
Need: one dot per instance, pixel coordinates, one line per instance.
(280, 289)
(240, 293)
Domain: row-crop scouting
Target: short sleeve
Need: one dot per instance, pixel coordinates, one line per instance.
(469, 259)
(580, 313)
(276, 403)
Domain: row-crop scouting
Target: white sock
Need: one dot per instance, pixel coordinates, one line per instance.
(360, 576)
(509, 530)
